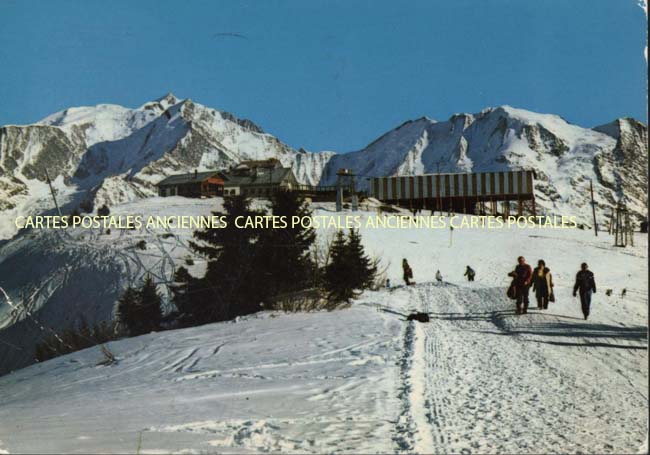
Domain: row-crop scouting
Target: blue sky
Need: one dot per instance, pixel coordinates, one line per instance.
(327, 75)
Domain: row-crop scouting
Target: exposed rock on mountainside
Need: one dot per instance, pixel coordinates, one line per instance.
(111, 154)
(564, 156)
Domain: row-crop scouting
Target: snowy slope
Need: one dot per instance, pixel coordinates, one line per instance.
(63, 275)
(476, 378)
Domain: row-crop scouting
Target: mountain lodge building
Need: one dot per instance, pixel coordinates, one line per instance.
(193, 184)
(253, 178)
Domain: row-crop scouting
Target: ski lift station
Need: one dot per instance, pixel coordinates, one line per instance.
(457, 192)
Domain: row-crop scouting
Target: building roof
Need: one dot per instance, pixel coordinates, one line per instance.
(507, 171)
(259, 176)
(190, 177)
(263, 176)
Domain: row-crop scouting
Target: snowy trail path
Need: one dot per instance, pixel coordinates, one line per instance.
(480, 379)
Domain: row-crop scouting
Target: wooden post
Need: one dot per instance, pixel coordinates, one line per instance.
(624, 225)
(534, 207)
(616, 227)
(611, 222)
(629, 229)
(619, 239)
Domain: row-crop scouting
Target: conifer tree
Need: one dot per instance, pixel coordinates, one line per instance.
(349, 269)
(232, 284)
(190, 296)
(127, 308)
(284, 255)
(139, 310)
(150, 306)
(338, 271)
(363, 270)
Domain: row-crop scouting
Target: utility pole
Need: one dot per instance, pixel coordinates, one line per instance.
(593, 206)
(622, 226)
(49, 182)
(345, 180)
(355, 197)
(617, 225)
(611, 222)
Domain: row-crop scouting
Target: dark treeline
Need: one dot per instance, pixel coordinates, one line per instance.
(250, 269)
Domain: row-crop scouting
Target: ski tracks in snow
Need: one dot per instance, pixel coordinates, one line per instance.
(468, 383)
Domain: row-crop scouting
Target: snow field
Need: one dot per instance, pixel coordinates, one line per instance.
(476, 378)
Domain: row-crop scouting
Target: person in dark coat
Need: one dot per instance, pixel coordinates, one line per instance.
(522, 276)
(586, 285)
(542, 284)
(469, 273)
(408, 273)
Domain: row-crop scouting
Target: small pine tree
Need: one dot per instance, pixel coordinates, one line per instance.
(191, 297)
(127, 308)
(338, 271)
(232, 284)
(349, 269)
(285, 261)
(363, 270)
(179, 289)
(150, 305)
(139, 310)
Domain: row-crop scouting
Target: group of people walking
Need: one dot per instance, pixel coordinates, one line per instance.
(541, 280)
(524, 277)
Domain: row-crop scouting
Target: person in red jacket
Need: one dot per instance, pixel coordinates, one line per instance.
(522, 276)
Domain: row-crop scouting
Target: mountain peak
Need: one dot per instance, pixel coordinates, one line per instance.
(169, 99)
(620, 125)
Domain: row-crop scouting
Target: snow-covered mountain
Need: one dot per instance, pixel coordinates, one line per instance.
(111, 154)
(564, 156)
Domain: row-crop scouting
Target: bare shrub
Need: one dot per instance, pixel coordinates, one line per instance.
(382, 274)
(109, 358)
(303, 301)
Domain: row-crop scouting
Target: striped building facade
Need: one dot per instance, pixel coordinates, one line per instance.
(459, 191)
